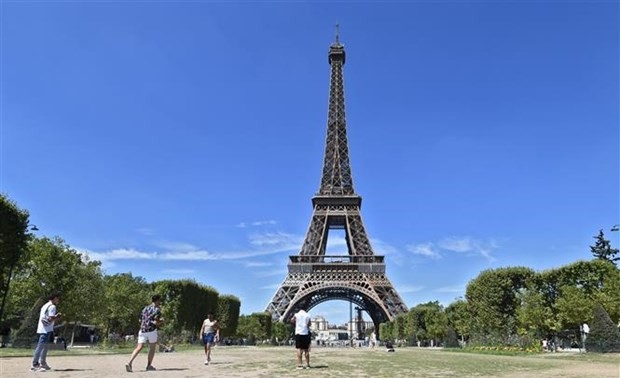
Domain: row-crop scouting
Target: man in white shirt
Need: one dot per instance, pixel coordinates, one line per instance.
(302, 320)
(45, 333)
(210, 334)
(585, 331)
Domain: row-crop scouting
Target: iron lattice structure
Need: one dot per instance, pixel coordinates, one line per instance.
(359, 277)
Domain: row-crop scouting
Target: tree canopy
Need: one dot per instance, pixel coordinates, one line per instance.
(602, 249)
(14, 237)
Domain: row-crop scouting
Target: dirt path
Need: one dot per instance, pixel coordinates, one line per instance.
(252, 362)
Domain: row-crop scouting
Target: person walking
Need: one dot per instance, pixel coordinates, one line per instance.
(301, 320)
(373, 340)
(45, 333)
(150, 319)
(210, 334)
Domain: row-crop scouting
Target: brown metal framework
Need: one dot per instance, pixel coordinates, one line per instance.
(358, 277)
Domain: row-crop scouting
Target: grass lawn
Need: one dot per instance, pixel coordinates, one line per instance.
(270, 362)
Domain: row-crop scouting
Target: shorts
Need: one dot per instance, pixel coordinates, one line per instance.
(302, 341)
(147, 337)
(208, 338)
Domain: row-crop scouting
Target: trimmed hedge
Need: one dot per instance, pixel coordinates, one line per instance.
(604, 335)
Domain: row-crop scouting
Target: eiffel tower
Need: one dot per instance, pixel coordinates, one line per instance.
(359, 277)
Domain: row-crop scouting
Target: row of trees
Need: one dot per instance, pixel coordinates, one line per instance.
(111, 302)
(516, 306)
(506, 306)
(34, 267)
(259, 328)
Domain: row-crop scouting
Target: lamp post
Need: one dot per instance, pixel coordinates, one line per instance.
(359, 325)
(350, 326)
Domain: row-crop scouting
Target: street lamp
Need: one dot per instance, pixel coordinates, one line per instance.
(350, 325)
(360, 326)
(616, 228)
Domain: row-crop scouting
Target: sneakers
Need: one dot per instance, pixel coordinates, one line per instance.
(148, 368)
(46, 367)
(40, 368)
(206, 362)
(307, 367)
(299, 367)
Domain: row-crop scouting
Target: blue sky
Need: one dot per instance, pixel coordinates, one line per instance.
(185, 139)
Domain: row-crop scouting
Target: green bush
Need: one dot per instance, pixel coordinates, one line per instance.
(604, 336)
(451, 339)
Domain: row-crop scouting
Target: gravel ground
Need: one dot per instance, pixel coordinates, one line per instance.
(252, 362)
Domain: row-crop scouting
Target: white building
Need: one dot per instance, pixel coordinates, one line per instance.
(319, 324)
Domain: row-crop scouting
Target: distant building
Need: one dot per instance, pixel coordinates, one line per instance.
(333, 334)
(358, 329)
(326, 332)
(319, 324)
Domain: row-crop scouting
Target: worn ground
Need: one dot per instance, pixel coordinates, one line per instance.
(267, 362)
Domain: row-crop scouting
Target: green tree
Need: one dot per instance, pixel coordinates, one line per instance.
(604, 335)
(571, 291)
(84, 303)
(125, 296)
(602, 249)
(535, 317)
(399, 327)
(451, 338)
(185, 304)
(14, 238)
(282, 331)
(436, 322)
(609, 294)
(386, 331)
(459, 317)
(493, 302)
(426, 322)
(53, 266)
(228, 314)
(574, 306)
(255, 327)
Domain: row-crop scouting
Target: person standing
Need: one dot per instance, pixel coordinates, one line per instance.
(150, 319)
(210, 334)
(302, 320)
(585, 331)
(45, 333)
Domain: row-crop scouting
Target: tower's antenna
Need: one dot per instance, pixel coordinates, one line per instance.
(337, 34)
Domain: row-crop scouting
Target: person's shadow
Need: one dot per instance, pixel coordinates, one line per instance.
(318, 367)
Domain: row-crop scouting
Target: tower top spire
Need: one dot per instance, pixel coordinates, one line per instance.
(336, 50)
(336, 179)
(337, 34)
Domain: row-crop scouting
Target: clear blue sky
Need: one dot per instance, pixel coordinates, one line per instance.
(180, 139)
